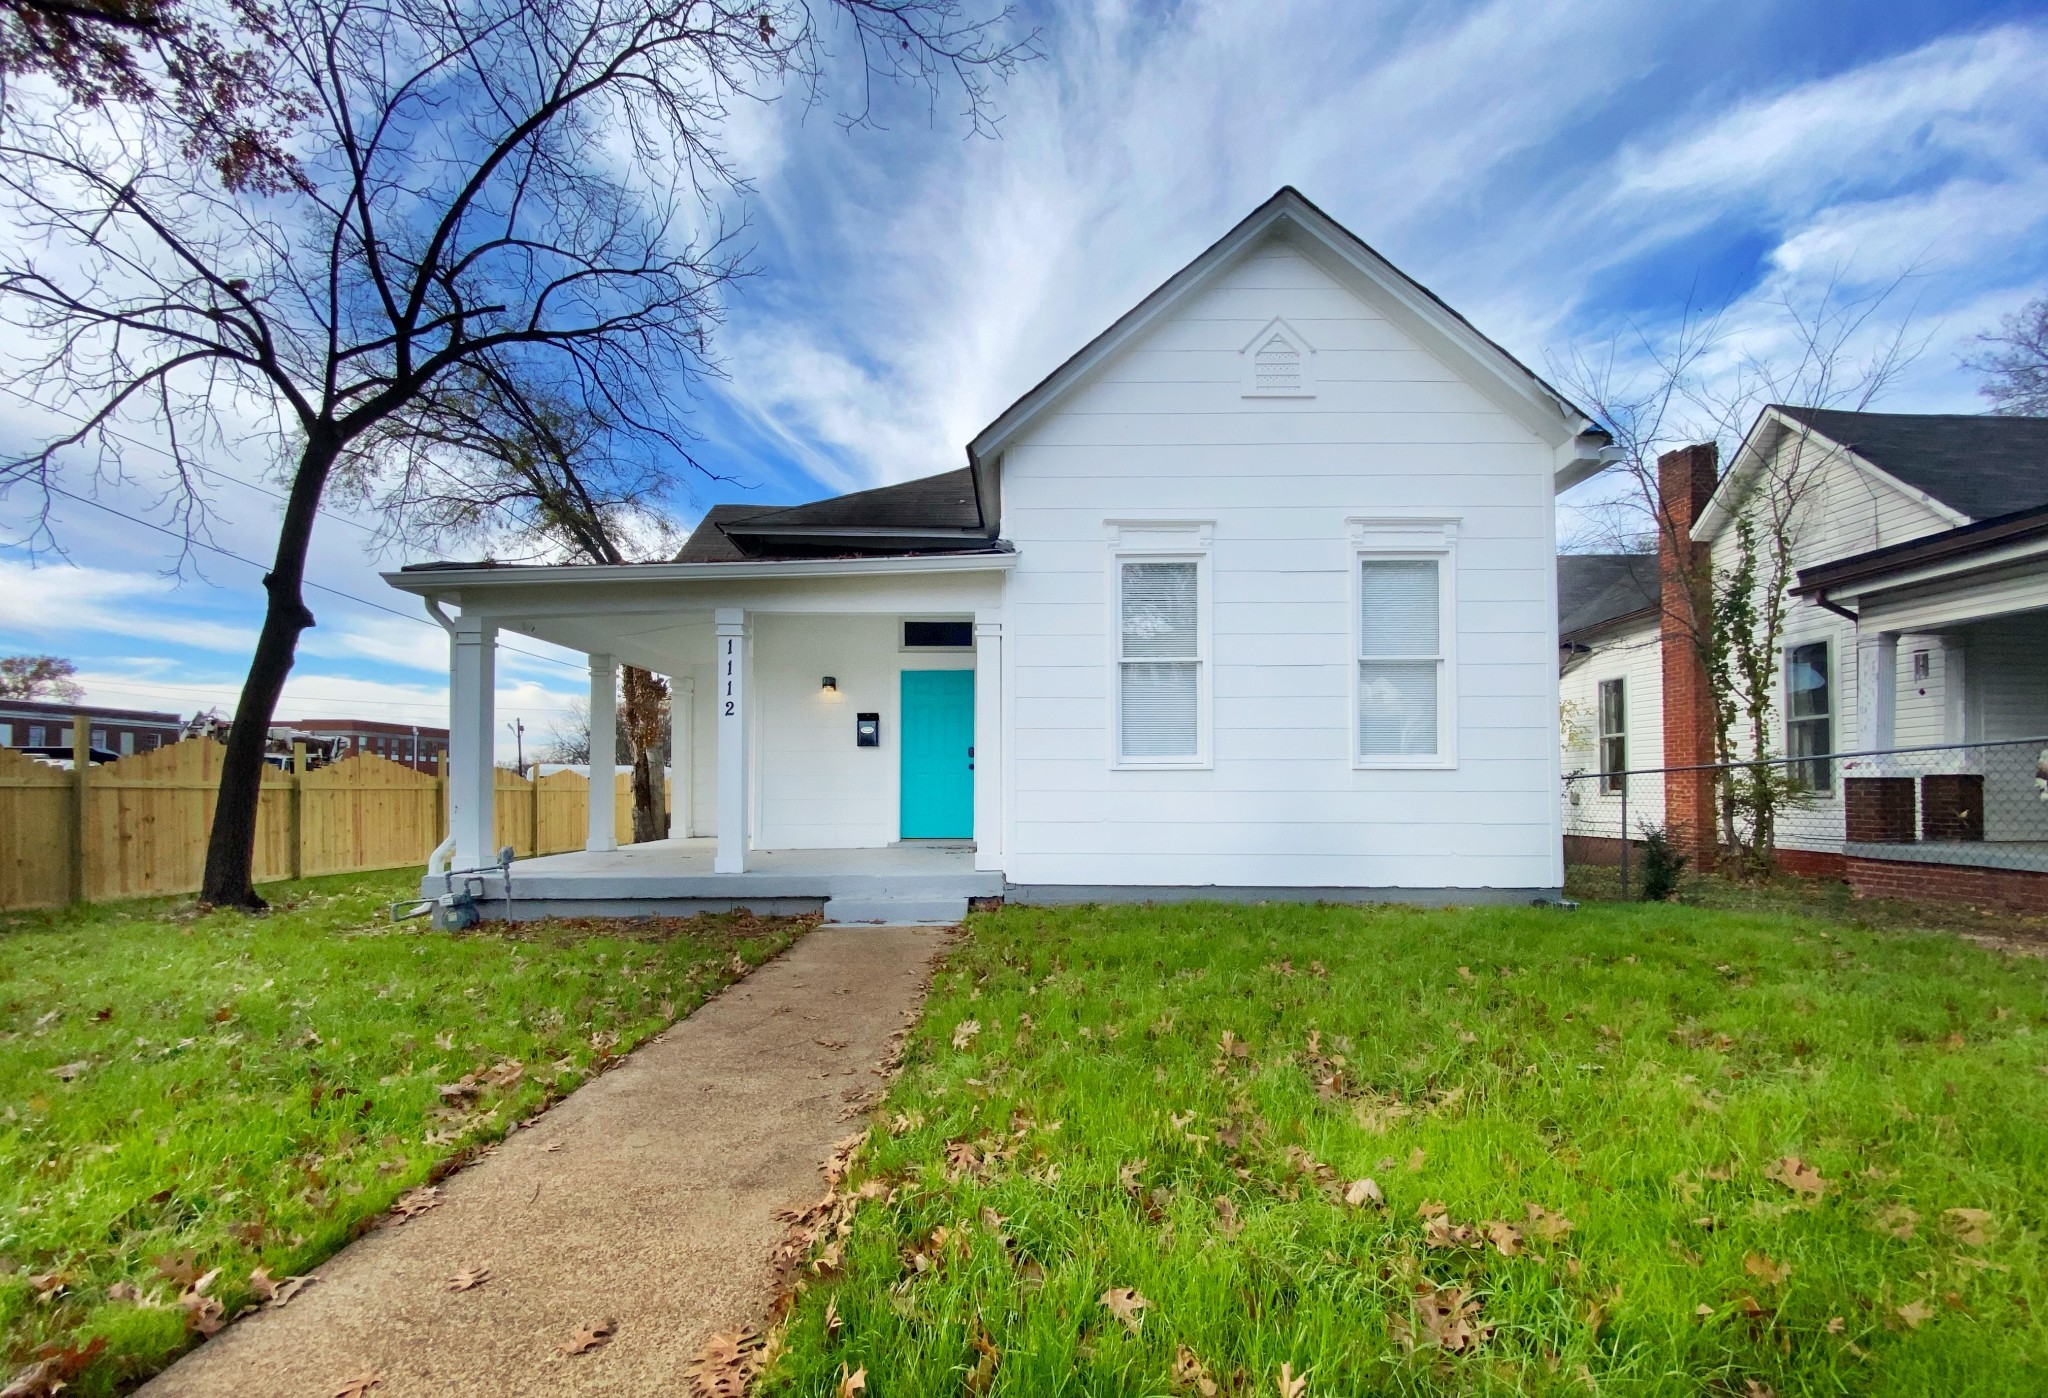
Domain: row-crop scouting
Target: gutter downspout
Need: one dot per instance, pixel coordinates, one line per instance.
(444, 853)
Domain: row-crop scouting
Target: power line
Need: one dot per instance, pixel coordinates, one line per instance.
(250, 562)
(157, 687)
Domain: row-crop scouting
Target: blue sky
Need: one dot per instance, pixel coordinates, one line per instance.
(1564, 174)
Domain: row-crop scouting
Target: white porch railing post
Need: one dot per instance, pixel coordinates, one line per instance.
(604, 753)
(988, 740)
(1877, 690)
(472, 740)
(730, 695)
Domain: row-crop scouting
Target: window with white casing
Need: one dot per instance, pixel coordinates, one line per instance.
(1809, 714)
(1405, 710)
(1160, 580)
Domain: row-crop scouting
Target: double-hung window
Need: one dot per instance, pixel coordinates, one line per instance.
(1404, 704)
(1613, 734)
(1159, 661)
(1809, 714)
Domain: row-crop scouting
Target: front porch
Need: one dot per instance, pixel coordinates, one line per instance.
(836, 735)
(904, 883)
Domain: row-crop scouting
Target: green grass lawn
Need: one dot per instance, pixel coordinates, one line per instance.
(1628, 1150)
(184, 1093)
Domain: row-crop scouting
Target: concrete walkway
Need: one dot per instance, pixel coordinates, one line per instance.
(647, 1197)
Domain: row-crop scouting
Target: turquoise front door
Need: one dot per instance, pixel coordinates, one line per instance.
(938, 754)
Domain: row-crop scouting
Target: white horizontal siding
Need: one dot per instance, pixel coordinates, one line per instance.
(1636, 658)
(1162, 433)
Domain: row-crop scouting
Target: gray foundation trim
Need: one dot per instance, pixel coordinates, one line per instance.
(533, 909)
(1055, 894)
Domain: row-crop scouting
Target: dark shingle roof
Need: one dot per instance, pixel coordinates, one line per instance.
(1981, 466)
(944, 505)
(1596, 588)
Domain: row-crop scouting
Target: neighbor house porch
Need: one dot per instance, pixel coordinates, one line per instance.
(1951, 684)
(836, 734)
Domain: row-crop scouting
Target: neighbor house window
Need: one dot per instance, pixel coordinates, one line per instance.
(1613, 734)
(1400, 658)
(6, 735)
(1809, 714)
(99, 739)
(35, 735)
(127, 744)
(1159, 660)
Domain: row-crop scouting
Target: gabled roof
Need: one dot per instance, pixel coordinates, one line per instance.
(934, 513)
(1417, 309)
(1978, 465)
(1595, 590)
(1963, 466)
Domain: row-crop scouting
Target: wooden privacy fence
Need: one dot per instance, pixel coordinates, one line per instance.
(139, 825)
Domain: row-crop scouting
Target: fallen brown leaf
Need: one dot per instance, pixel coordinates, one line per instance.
(964, 1034)
(851, 1383)
(1970, 1226)
(1544, 1225)
(1444, 1318)
(1796, 1175)
(54, 1369)
(1290, 1386)
(1190, 1375)
(596, 1335)
(361, 1384)
(1766, 1271)
(1915, 1315)
(725, 1366)
(1125, 1304)
(1364, 1192)
(469, 1279)
(415, 1202)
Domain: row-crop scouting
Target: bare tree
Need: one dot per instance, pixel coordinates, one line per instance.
(495, 463)
(39, 677)
(2014, 362)
(526, 182)
(1706, 382)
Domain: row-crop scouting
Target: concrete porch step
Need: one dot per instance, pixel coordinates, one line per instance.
(895, 912)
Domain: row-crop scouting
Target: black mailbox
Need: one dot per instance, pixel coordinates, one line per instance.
(867, 730)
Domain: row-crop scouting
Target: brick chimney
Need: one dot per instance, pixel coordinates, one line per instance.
(1685, 480)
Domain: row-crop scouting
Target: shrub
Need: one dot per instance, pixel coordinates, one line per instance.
(1662, 864)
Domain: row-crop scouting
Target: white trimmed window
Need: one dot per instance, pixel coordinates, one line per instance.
(1405, 708)
(1161, 646)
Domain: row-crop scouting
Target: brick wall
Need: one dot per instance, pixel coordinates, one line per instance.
(1685, 480)
(2011, 890)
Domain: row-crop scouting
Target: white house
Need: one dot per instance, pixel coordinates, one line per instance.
(1252, 597)
(1918, 619)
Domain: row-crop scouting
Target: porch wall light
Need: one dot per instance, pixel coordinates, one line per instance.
(831, 684)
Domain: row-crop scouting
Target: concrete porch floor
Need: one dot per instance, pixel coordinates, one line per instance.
(901, 883)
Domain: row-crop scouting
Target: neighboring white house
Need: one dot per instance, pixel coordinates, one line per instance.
(1252, 597)
(1918, 618)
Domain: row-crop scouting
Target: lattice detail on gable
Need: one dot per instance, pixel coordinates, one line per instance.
(1276, 368)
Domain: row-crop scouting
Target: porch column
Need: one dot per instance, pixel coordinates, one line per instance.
(732, 654)
(988, 740)
(472, 740)
(1877, 689)
(681, 756)
(604, 753)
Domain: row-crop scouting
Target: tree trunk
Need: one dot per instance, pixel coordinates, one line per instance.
(646, 723)
(231, 847)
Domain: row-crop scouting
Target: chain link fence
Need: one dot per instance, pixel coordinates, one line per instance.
(1961, 806)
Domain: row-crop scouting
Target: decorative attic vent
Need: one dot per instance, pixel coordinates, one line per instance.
(1277, 364)
(1277, 367)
